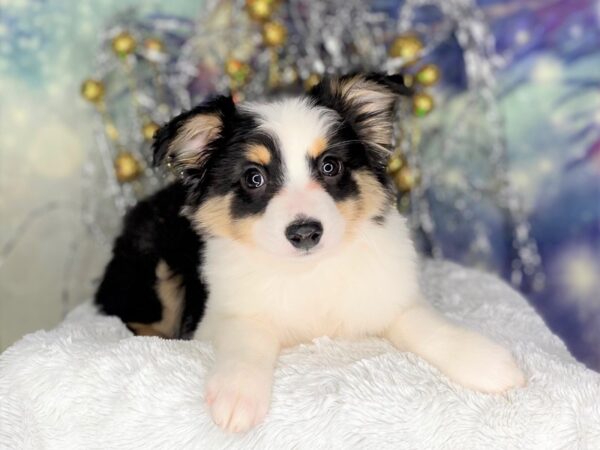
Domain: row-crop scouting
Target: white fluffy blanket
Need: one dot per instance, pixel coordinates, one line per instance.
(90, 384)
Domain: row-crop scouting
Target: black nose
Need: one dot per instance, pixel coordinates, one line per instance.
(304, 234)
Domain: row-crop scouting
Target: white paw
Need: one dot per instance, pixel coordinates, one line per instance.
(479, 364)
(238, 397)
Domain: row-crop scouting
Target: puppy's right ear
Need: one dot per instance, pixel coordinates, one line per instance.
(187, 141)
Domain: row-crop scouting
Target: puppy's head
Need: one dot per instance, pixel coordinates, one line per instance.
(292, 177)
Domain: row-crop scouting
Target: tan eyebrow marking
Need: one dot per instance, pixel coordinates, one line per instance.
(259, 154)
(317, 147)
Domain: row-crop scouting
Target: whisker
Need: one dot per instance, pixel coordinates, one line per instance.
(379, 147)
(339, 144)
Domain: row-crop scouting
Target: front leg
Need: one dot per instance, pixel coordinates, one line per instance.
(238, 388)
(464, 356)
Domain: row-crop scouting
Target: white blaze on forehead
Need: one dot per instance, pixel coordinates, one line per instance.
(296, 124)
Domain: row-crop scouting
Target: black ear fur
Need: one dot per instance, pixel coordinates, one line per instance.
(394, 82)
(367, 102)
(207, 119)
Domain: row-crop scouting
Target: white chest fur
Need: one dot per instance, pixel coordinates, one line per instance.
(353, 292)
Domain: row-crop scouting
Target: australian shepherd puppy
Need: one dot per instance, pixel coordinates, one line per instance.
(283, 228)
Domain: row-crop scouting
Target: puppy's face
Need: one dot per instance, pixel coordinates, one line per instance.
(294, 177)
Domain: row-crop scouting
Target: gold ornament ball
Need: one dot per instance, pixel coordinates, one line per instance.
(154, 45)
(237, 70)
(237, 97)
(123, 44)
(127, 167)
(409, 79)
(260, 9)
(312, 80)
(404, 203)
(92, 90)
(405, 179)
(395, 164)
(422, 104)
(428, 75)
(289, 75)
(111, 131)
(274, 34)
(149, 129)
(407, 47)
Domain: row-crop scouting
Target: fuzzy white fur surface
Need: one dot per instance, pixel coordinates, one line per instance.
(90, 384)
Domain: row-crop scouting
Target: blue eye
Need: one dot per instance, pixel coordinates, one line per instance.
(330, 166)
(254, 178)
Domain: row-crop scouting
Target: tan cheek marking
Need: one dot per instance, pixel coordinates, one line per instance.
(243, 229)
(350, 210)
(214, 217)
(317, 147)
(371, 202)
(259, 154)
(372, 195)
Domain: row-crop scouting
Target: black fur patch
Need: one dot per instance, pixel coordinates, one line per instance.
(379, 220)
(153, 230)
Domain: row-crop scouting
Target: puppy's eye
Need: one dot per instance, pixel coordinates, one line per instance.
(253, 178)
(330, 166)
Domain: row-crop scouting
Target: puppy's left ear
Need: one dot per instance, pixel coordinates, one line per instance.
(365, 100)
(188, 141)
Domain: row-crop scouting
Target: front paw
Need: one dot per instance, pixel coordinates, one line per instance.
(238, 396)
(479, 364)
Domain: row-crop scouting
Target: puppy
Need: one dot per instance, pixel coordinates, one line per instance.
(282, 229)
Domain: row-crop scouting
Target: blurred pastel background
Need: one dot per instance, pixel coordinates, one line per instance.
(548, 92)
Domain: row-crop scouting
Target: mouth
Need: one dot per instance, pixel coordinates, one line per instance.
(304, 254)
